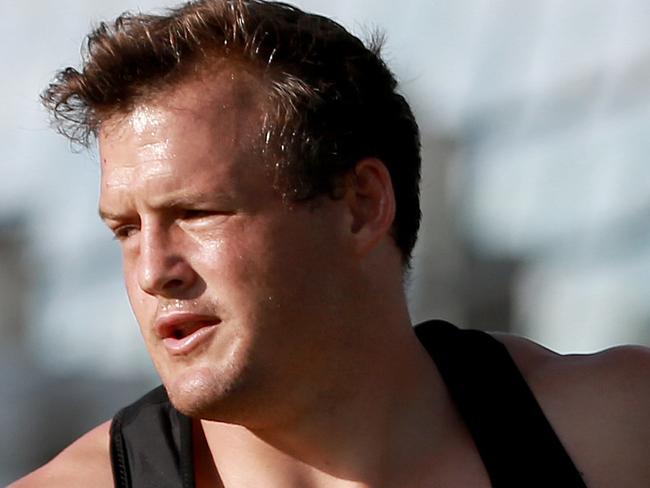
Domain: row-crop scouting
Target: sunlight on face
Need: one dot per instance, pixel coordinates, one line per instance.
(204, 234)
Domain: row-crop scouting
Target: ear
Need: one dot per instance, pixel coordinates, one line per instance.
(371, 202)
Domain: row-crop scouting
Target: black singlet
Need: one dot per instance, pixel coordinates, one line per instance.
(151, 442)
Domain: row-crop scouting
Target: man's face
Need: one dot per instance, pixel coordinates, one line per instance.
(232, 288)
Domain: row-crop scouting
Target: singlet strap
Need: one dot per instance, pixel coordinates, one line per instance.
(515, 440)
(151, 445)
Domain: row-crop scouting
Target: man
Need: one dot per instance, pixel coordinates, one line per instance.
(260, 173)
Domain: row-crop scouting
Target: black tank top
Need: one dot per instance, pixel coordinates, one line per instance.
(151, 442)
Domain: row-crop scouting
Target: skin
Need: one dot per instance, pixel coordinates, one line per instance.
(309, 294)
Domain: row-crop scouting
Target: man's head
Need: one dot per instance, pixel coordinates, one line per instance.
(249, 153)
(329, 100)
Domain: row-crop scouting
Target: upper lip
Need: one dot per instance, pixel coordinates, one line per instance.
(182, 322)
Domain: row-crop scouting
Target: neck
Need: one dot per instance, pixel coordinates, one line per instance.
(382, 421)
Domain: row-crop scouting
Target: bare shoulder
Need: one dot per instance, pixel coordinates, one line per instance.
(598, 404)
(86, 462)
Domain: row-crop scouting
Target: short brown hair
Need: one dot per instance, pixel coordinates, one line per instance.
(334, 101)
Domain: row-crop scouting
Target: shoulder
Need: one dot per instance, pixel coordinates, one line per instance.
(86, 462)
(598, 404)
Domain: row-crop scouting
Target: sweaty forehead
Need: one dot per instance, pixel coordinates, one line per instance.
(212, 121)
(226, 97)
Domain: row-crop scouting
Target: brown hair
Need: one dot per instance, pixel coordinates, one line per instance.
(333, 100)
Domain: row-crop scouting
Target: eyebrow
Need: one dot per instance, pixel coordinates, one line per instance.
(173, 201)
(104, 215)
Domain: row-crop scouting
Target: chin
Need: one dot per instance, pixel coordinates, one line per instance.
(204, 394)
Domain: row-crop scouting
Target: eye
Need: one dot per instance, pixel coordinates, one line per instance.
(196, 214)
(123, 232)
(211, 215)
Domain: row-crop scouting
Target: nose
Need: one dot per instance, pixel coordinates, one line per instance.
(162, 269)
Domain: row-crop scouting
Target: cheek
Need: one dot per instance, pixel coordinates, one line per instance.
(206, 242)
(227, 256)
(243, 274)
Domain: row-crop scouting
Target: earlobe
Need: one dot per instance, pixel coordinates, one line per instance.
(371, 202)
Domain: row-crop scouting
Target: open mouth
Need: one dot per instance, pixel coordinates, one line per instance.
(183, 330)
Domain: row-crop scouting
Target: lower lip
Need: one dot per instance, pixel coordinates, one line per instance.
(181, 347)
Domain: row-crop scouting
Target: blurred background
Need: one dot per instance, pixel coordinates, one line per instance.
(534, 116)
